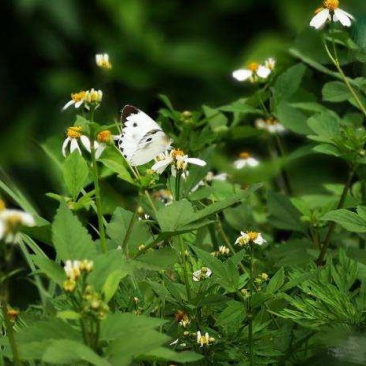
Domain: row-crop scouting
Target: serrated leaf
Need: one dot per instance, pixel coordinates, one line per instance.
(347, 219)
(335, 91)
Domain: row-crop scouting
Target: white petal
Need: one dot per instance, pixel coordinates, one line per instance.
(252, 162)
(74, 146)
(220, 177)
(263, 72)
(79, 103)
(319, 19)
(99, 150)
(240, 163)
(242, 74)
(161, 165)
(64, 145)
(67, 105)
(259, 240)
(343, 17)
(2, 229)
(86, 142)
(196, 161)
(27, 219)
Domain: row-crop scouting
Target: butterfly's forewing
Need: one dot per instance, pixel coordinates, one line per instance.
(142, 138)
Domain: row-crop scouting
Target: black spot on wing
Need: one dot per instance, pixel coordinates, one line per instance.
(127, 111)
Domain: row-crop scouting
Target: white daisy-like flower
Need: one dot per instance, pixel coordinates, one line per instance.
(201, 274)
(178, 161)
(249, 237)
(245, 160)
(87, 98)
(210, 177)
(271, 125)
(204, 340)
(253, 73)
(331, 11)
(104, 139)
(270, 63)
(72, 269)
(102, 61)
(74, 137)
(11, 221)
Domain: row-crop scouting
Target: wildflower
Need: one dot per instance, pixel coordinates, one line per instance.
(270, 124)
(249, 237)
(204, 340)
(245, 293)
(201, 274)
(141, 247)
(182, 318)
(223, 250)
(102, 61)
(86, 266)
(245, 160)
(178, 160)
(164, 196)
(330, 11)
(72, 269)
(104, 138)
(74, 134)
(69, 285)
(88, 98)
(255, 71)
(186, 117)
(13, 314)
(11, 222)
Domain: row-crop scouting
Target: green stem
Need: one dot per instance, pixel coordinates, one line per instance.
(250, 310)
(10, 332)
(285, 176)
(98, 201)
(332, 225)
(177, 185)
(183, 256)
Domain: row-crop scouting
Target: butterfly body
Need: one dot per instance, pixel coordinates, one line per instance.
(142, 139)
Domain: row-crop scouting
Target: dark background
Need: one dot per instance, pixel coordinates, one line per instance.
(184, 49)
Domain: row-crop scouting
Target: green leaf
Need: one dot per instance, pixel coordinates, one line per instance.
(347, 219)
(325, 125)
(292, 118)
(70, 238)
(112, 282)
(162, 353)
(216, 119)
(75, 171)
(335, 91)
(50, 268)
(276, 281)
(288, 83)
(283, 213)
(68, 352)
(327, 149)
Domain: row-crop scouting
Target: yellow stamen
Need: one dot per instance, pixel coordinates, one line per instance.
(331, 4)
(74, 132)
(104, 136)
(244, 155)
(13, 314)
(271, 121)
(77, 97)
(253, 66)
(252, 235)
(177, 152)
(2, 205)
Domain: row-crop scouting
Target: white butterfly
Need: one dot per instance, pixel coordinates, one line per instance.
(142, 139)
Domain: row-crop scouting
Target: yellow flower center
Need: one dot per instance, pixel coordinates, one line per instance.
(244, 155)
(93, 96)
(2, 205)
(77, 97)
(104, 136)
(252, 235)
(13, 222)
(177, 152)
(271, 121)
(74, 132)
(253, 66)
(331, 4)
(13, 314)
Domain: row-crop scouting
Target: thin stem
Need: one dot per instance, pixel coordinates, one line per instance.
(183, 256)
(10, 332)
(332, 225)
(285, 176)
(128, 233)
(177, 185)
(103, 241)
(250, 310)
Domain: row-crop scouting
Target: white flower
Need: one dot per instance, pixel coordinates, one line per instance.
(102, 61)
(72, 269)
(245, 161)
(249, 237)
(178, 161)
(88, 98)
(331, 11)
(210, 177)
(104, 138)
(271, 125)
(74, 136)
(204, 340)
(252, 73)
(10, 223)
(201, 274)
(270, 63)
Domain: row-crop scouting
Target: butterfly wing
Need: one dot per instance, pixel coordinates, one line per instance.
(142, 139)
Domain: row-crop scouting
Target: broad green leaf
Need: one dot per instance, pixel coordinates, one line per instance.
(325, 125)
(335, 91)
(276, 281)
(292, 118)
(282, 213)
(75, 171)
(216, 119)
(347, 219)
(50, 268)
(288, 83)
(167, 354)
(70, 238)
(69, 352)
(112, 282)
(327, 149)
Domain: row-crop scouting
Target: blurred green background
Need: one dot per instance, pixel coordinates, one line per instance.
(184, 49)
